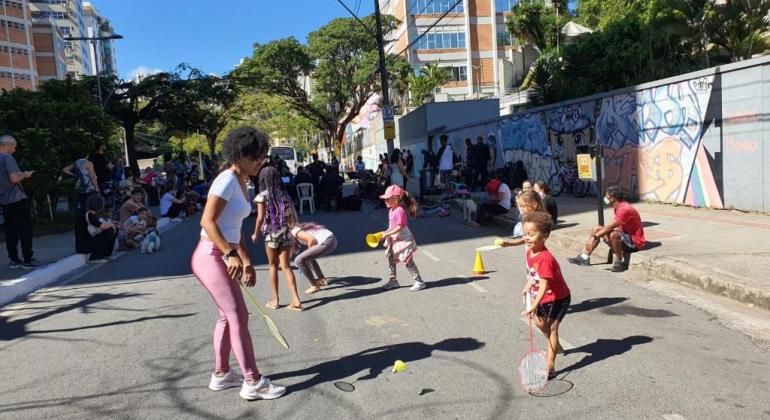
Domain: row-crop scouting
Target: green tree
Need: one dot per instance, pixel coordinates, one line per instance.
(200, 104)
(343, 60)
(738, 26)
(53, 126)
(534, 22)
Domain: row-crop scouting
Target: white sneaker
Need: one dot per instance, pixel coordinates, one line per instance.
(230, 380)
(262, 390)
(418, 285)
(392, 284)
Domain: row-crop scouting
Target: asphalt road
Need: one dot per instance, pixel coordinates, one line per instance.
(132, 339)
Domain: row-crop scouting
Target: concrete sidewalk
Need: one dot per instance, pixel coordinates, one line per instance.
(57, 253)
(723, 252)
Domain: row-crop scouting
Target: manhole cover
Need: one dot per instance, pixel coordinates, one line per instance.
(345, 386)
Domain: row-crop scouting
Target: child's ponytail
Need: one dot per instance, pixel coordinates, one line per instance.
(409, 203)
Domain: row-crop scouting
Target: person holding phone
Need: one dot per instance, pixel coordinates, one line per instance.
(18, 220)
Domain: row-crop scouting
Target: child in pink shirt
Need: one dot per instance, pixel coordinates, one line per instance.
(398, 238)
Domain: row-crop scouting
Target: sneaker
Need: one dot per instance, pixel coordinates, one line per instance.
(391, 284)
(618, 267)
(31, 264)
(262, 390)
(580, 261)
(230, 380)
(13, 265)
(418, 285)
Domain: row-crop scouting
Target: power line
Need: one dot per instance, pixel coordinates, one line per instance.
(431, 27)
(368, 29)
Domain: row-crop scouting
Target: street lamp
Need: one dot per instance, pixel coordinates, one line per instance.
(94, 40)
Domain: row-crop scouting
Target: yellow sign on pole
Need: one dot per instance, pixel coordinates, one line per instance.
(390, 130)
(586, 167)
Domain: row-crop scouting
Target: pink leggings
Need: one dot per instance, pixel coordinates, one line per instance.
(232, 327)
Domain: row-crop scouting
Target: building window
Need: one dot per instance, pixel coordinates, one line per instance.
(459, 74)
(39, 14)
(505, 6)
(441, 38)
(12, 4)
(15, 25)
(66, 30)
(50, 1)
(435, 7)
(505, 39)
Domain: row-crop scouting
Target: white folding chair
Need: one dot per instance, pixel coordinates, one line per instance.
(305, 194)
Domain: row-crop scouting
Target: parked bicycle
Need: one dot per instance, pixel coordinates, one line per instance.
(566, 177)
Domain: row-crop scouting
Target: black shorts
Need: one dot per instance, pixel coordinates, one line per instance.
(554, 310)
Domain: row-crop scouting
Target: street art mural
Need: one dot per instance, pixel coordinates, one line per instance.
(652, 141)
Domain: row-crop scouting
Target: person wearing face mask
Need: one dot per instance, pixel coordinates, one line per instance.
(625, 233)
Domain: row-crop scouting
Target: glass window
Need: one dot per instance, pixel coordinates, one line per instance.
(461, 39)
(505, 6)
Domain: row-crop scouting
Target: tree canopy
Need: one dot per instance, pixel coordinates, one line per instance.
(343, 60)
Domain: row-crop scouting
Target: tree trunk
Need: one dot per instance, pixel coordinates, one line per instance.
(131, 147)
(212, 142)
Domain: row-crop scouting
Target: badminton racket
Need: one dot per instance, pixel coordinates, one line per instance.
(533, 371)
(270, 324)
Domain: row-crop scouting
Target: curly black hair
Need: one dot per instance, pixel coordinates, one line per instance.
(542, 221)
(245, 142)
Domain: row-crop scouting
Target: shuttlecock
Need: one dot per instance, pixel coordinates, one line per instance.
(399, 366)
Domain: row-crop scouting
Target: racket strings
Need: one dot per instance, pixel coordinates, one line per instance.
(533, 371)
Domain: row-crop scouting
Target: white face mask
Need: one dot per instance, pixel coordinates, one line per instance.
(606, 200)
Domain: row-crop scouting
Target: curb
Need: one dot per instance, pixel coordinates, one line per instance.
(14, 289)
(670, 269)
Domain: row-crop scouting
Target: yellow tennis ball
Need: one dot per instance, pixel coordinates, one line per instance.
(399, 366)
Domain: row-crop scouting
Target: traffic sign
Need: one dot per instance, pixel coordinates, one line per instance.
(387, 113)
(390, 130)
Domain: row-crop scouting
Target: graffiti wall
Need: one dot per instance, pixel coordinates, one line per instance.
(685, 142)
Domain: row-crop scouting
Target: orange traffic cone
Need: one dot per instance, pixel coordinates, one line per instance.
(478, 265)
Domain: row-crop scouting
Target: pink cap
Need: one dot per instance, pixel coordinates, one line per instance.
(392, 191)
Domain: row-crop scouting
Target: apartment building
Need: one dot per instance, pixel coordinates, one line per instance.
(69, 17)
(17, 54)
(50, 56)
(102, 53)
(471, 41)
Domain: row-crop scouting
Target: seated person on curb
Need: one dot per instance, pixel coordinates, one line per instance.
(625, 233)
(527, 202)
(93, 234)
(132, 205)
(136, 227)
(498, 201)
(170, 205)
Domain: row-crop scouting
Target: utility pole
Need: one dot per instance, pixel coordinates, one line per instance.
(389, 124)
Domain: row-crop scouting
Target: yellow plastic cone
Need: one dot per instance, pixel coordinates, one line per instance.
(373, 239)
(478, 265)
(399, 366)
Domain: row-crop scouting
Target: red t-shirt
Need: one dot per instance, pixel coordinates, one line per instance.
(544, 266)
(630, 223)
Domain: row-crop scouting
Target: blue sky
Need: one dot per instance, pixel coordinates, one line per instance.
(212, 35)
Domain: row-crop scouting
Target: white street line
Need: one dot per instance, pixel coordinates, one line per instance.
(430, 255)
(564, 343)
(673, 417)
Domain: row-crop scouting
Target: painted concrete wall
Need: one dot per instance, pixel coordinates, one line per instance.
(700, 139)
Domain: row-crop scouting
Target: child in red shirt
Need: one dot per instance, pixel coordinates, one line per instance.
(545, 283)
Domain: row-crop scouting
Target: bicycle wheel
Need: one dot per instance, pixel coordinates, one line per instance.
(556, 184)
(581, 188)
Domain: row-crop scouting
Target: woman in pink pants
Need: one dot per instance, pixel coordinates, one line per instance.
(221, 260)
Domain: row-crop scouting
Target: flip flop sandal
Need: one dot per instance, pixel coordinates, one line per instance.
(271, 306)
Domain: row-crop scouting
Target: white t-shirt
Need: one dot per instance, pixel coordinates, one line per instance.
(230, 222)
(506, 201)
(445, 161)
(165, 203)
(320, 235)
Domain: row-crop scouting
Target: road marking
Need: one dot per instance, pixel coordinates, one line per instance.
(430, 255)
(473, 284)
(566, 345)
(673, 417)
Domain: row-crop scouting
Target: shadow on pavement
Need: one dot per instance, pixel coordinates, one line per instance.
(352, 294)
(603, 349)
(637, 311)
(454, 281)
(591, 304)
(374, 361)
